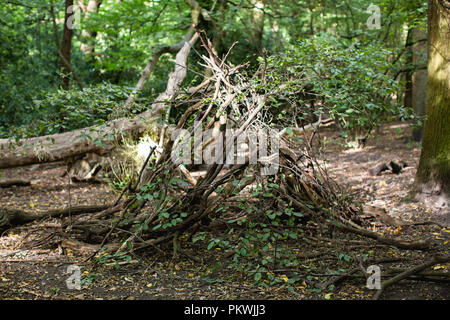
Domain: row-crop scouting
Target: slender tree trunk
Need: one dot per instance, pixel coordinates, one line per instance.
(154, 60)
(88, 37)
(218, 31)
(311, 18)
(66, 47)
(407, 101)
(419, 77)
(433, 174)
(196, 12)
(258, 22)
(55, 30)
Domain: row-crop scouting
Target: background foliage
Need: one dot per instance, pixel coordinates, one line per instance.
(325, 43)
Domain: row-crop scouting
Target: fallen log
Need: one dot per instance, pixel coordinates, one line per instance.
(10, 217)
(395, 166)
(14, 182)
(56, 147)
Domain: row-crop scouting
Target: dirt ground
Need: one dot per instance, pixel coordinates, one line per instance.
(40, 271)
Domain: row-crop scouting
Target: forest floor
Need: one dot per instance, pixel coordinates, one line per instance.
(40, 271)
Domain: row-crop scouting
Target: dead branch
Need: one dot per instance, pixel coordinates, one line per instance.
(395, 166)
(10, 217)
(401, 244)
(410, 272)
(14, 182)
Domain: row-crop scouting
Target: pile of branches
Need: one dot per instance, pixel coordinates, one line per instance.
(167, 202)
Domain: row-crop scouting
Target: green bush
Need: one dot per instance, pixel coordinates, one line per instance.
(347, 80)
(61, 111)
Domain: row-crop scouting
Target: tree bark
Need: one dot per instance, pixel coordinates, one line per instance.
(18, 217)
(433, 174)
(59, 56)
(88, 37)
(257, 20)
(196, 12)
(152, 64)
(55, 29)
(14, 182)
(407, 101)
(419, 77)
(66, 47)
(56, 147)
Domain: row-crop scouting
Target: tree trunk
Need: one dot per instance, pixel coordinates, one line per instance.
(16, 217)
(433, 174)
(66, 47)
(257, 20)
(152, 64)
(88, 37)
(196, 12)
(55, 29)
(419, 77)
(407, 101)
(56, 147)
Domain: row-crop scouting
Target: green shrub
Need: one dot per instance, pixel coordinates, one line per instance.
(61, 111)
(348, 81)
